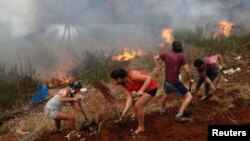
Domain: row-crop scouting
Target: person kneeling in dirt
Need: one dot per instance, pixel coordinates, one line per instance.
(53, 108)
(208, 70)
(174, 60)
(143, 85)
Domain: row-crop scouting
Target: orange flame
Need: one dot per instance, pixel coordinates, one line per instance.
(64, 79)
(225, 28)
(126, 55)
(60, 80)
(167, 35)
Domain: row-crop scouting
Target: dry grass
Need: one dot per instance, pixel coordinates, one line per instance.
(98, 108)
(27, 123)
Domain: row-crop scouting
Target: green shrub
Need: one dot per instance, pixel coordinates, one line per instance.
(197, 38)
(204, 37)
(95, 66)
(16, 85)
(148, 61)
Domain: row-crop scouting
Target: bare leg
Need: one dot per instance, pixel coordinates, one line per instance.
(142, 101)
(65, 116)
(164, 101)
(58, 124)
(187, 99)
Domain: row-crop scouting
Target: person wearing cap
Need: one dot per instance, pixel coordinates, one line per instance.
(53, 108)
(174, 60)
(138, 83)
(208, 70)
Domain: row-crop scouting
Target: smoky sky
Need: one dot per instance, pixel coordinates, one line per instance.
(52, 32)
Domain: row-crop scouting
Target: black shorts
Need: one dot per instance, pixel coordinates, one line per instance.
(152, 92)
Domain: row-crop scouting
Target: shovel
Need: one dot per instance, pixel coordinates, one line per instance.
(135, 97)
(88, 125)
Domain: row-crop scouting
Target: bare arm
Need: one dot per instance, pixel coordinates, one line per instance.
(197, 88)
(220, 59)
(156, 60)
(64, 97)
(75, 106)
(187, 70)
(222, 65)
(128, 102)
(206, 80)
(210, 83)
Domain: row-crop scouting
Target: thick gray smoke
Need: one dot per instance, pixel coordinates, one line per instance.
(51, 32)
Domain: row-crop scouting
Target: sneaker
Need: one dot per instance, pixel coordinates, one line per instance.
(187, 113)
(203, 97)
(163, 111)
(206, 97)
(58, 131)
(181, 119)
(137, 132)
(132, 117)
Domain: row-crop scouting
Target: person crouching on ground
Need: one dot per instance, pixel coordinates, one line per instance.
(174, 60)
(53, 108)
(144, 86)
(208, 70)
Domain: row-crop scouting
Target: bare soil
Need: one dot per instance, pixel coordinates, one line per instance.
(227, 106)
(165, 127)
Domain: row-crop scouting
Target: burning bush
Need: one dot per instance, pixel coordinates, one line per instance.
(128, 55)
(60, 81)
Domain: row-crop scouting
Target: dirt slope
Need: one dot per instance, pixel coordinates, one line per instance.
(230, 105)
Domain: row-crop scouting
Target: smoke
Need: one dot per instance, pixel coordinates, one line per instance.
(52, 32)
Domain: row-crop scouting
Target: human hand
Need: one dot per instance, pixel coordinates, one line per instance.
(193, 93)
(121, 117)
(220, 67)
(82, 97)
(77, 97)
(191, 80)
(213, 88)
(123, 114)
(139, 93)
(158, 68)
(136, 95)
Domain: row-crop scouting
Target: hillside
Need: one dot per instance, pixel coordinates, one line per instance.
(230, 105)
